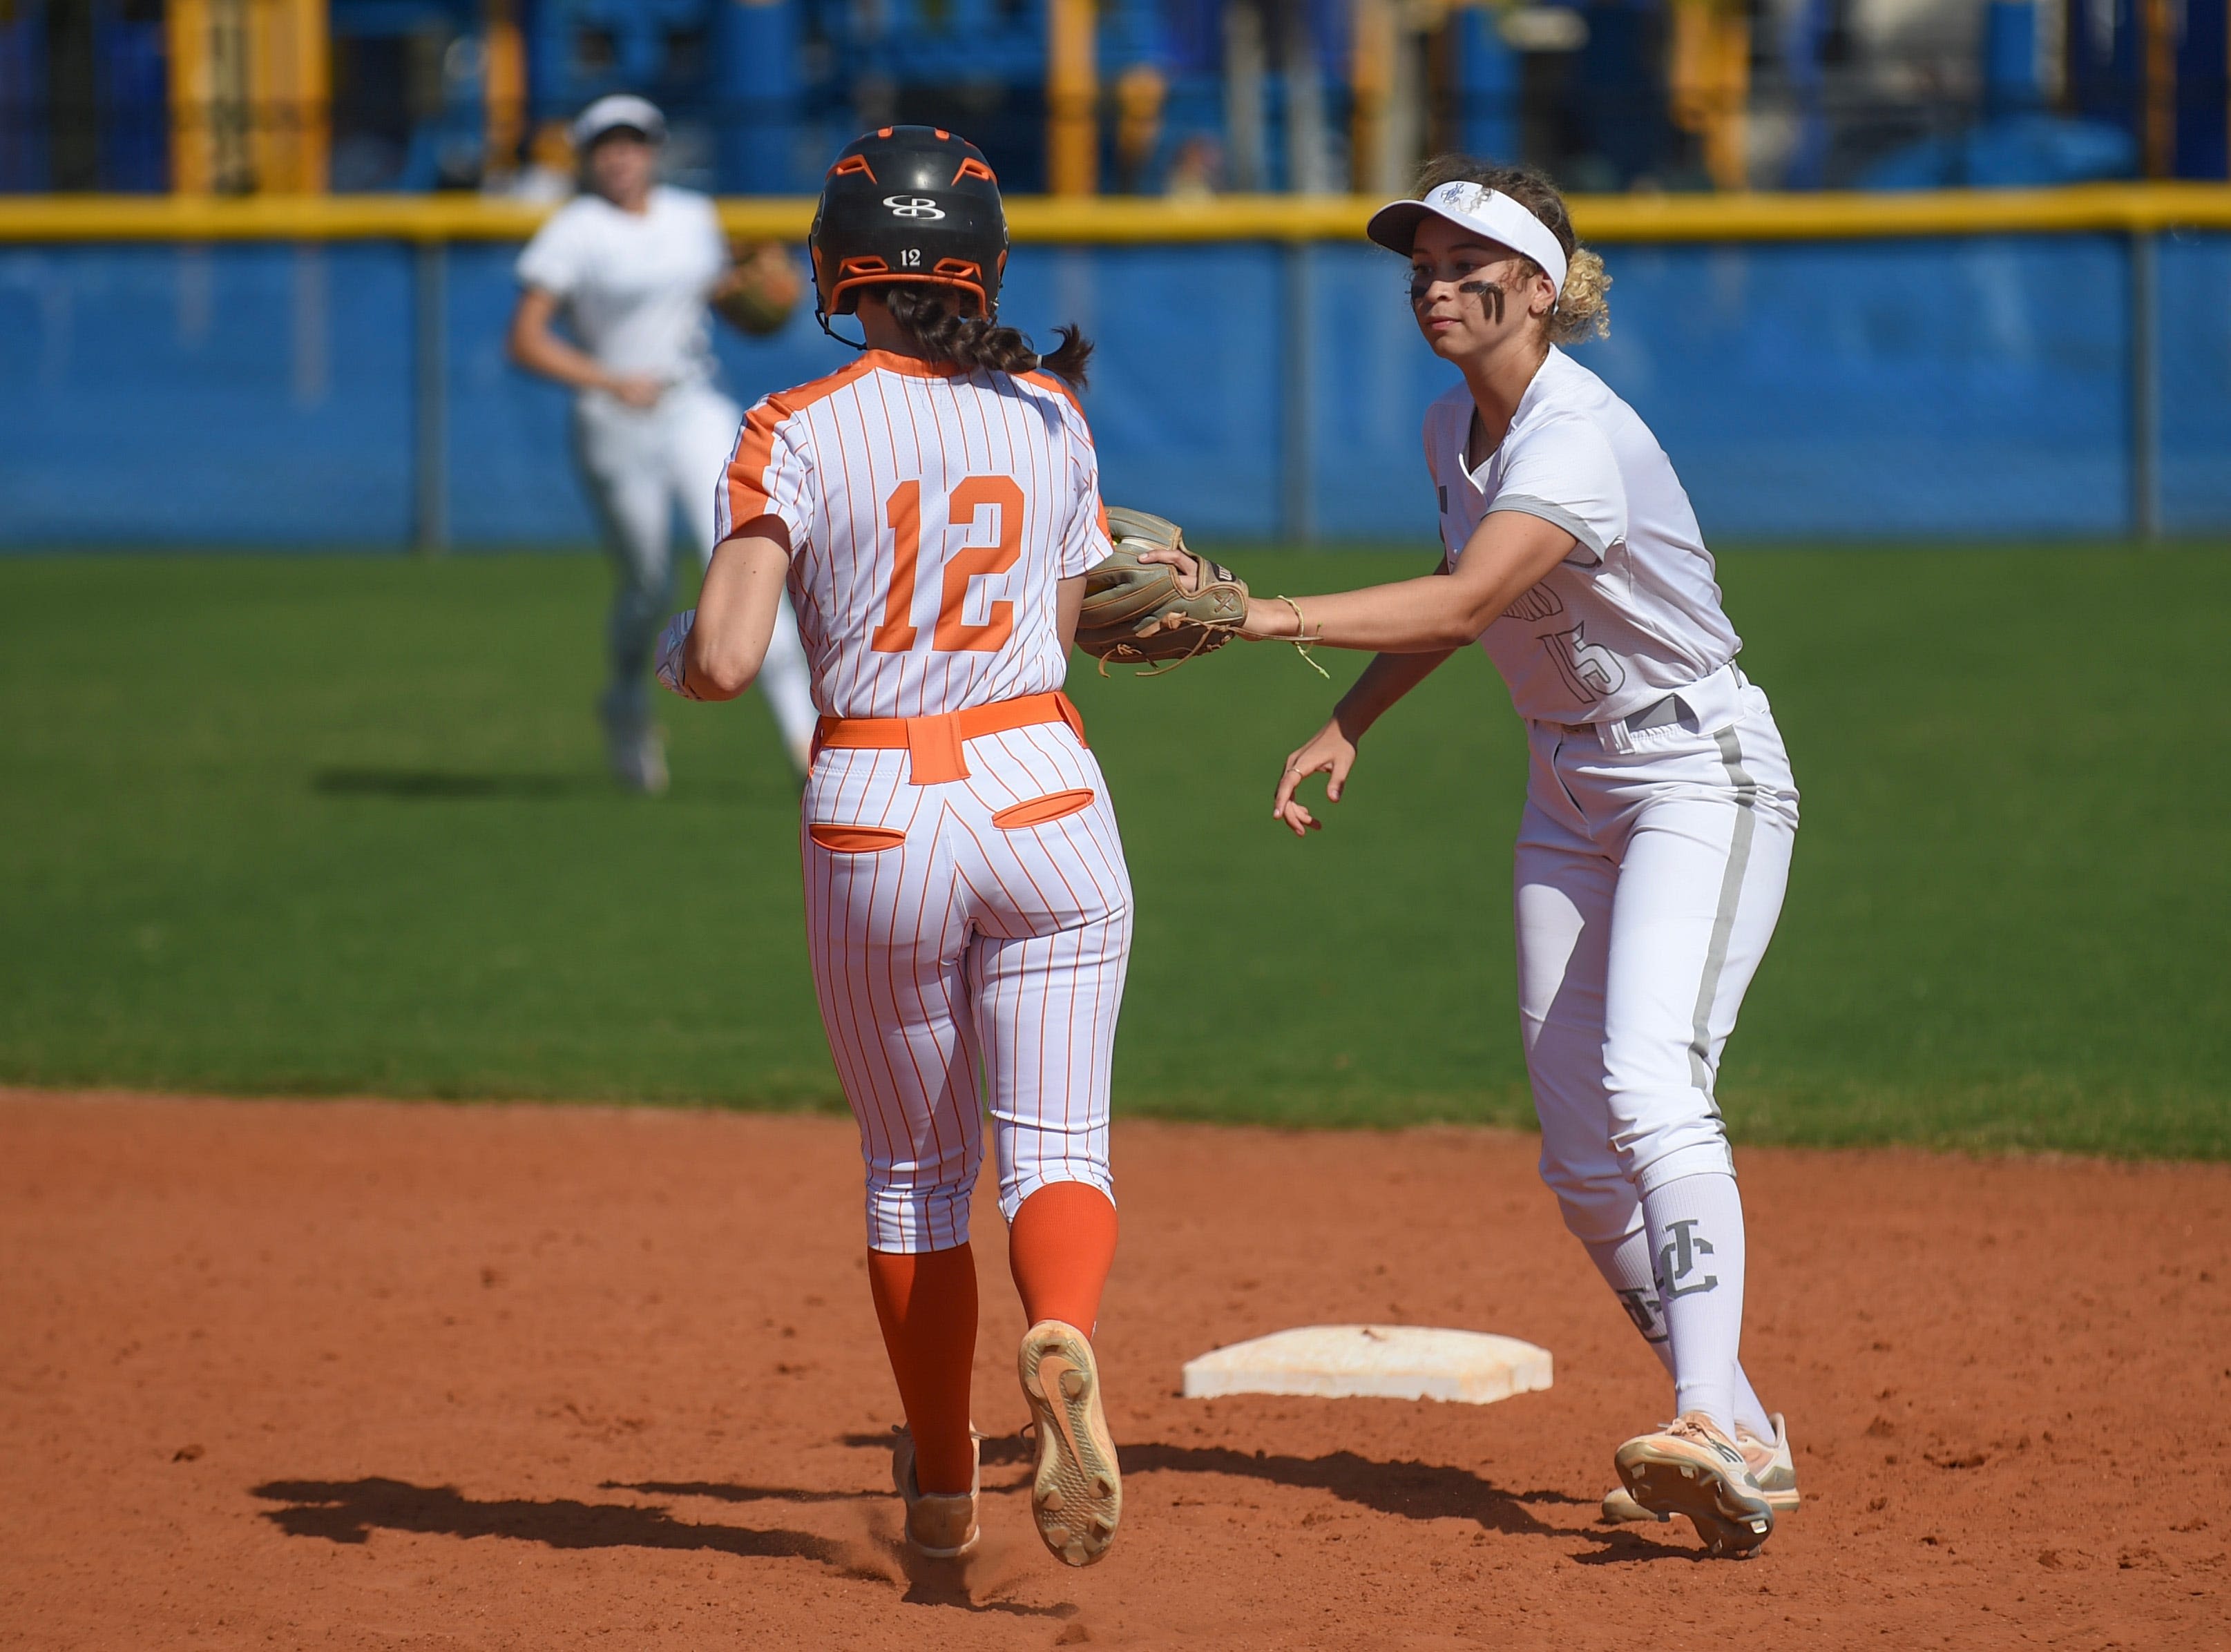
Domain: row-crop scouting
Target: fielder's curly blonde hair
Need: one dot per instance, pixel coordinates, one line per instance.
(1583, 309)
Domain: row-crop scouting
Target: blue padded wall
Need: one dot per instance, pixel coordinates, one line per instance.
(249, 394)
(2195, 383)
(234, 395)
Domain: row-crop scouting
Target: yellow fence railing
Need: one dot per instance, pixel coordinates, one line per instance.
(2128, 208)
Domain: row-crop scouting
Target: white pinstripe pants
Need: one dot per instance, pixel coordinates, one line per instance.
(956, 948)
(1647, 886)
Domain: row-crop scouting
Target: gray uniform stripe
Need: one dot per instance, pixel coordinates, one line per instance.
(1723, 920)
(1526, 505)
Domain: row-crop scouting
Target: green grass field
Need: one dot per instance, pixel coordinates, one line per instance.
(340, 825)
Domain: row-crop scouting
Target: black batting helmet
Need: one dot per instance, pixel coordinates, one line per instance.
(908, 203)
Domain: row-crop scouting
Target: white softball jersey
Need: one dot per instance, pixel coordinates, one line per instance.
(634, 284)
(969, 924)
(1661, 811)
(1634, 610)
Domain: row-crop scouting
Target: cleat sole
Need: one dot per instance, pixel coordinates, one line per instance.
(1076, 1490)
(1732, 1520)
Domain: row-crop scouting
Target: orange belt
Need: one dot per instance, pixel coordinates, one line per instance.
(933, 743)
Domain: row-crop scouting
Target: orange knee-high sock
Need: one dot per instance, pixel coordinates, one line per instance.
(1060, 1247)
(926, 1306)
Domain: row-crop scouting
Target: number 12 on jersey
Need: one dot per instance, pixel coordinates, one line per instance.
(903, 515)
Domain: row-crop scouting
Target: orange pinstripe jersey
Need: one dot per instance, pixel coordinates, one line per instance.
(931, 511)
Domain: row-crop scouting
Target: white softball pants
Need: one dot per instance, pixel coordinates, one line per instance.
(967, 937)
(1648, 881)
(640, 464)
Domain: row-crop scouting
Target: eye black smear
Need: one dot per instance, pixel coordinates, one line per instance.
(1491, 295)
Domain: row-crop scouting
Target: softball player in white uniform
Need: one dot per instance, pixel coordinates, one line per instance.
(1660, 809)
(632, 265)
(932, 508)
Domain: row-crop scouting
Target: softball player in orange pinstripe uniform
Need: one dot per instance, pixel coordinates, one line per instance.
(932, 509)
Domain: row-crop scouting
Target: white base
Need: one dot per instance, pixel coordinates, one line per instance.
(1373, 1362)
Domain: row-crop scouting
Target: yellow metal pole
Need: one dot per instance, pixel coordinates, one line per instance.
(231, 101)
(314, 94)
(1728, 148)
(1711, 85)
(1689, 89)
(186, 32)
(2160, 125)
(1140, 92)
(507, 86)
(286, 85)
(1072, 90)
(270, 102)
(1371, 77)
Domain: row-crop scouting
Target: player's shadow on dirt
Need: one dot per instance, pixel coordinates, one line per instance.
(349, 1511)
(433, 785)
(1414, 1491)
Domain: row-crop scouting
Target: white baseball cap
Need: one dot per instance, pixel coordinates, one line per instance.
(622, 110)
(1487, 213)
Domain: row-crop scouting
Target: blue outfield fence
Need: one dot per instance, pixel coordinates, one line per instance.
(355, 393)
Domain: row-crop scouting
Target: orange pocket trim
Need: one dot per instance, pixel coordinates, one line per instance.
(855, 839)
(1040, 811)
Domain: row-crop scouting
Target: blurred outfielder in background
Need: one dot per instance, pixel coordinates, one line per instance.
(631, 264)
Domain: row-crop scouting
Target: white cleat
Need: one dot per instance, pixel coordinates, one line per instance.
(1076, 1493)
(1771, 1466)
(1688, 1467)
(940, 1525)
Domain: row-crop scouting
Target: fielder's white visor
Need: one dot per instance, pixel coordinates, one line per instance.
(622, 110)
(1487, 213)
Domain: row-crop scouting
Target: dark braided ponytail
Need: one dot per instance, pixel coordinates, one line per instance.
(927, 315)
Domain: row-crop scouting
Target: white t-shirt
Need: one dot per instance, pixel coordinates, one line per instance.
(634, 284)
(1634, 612)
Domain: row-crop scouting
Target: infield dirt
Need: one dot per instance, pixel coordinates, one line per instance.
(355, 1374)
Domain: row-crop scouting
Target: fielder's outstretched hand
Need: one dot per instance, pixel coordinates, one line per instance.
(1330, 752)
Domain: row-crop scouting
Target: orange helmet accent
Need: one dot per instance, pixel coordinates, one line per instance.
(944, 227)
(869, 270)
